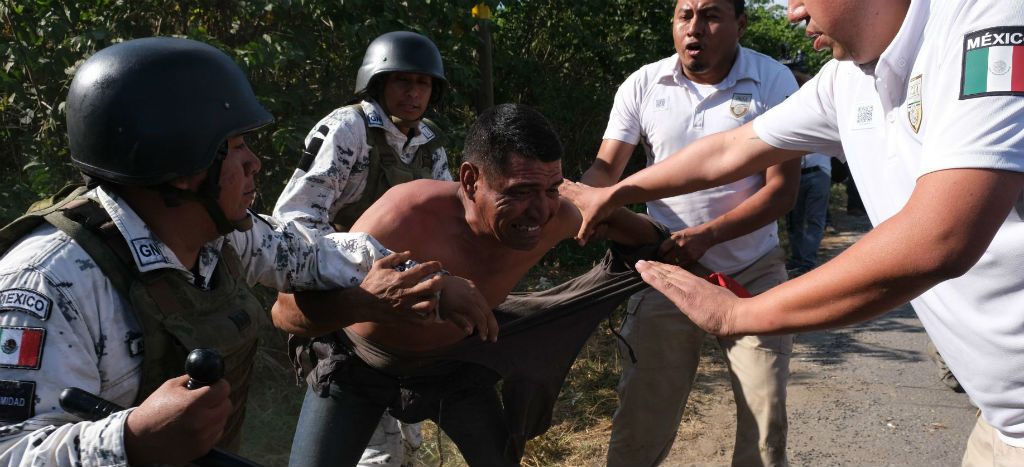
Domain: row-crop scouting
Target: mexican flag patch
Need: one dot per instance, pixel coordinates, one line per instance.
(993, 63)
(21, 347)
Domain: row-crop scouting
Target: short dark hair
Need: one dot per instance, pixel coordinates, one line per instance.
(739, 6)
(507, 129)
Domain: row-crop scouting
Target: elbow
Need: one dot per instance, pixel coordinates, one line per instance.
(944, 263)
(284, 315)
(952, 267)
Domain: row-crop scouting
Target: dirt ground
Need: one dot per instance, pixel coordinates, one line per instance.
(867, 394)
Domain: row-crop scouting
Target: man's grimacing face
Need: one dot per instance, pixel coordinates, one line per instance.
(519, 201)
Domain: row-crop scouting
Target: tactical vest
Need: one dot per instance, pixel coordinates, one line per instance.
(386, 168)
(176, 316)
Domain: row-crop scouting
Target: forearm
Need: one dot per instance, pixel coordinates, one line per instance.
(944, 229)
(316, 313)
(708, 162)
(868, 279)
(774, 200)
(610, 163)
(629, 228)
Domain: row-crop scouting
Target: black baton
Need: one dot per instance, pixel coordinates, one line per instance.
(89, 406)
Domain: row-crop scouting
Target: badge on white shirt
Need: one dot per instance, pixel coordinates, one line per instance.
(914, 112)
(740, 104)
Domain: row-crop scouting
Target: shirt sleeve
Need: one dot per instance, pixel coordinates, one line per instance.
(314, 196)
(624, 118)
(806, 121)
(289, 258)
(983, 130)
(47, 331)
(440, 166)
(86, 444)
(781, 86)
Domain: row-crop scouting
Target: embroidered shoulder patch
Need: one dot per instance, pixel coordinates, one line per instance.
(427, 133)
(26, 301)
(21, 347)
(17, 400)
(147, 251)
(993, 63)
(374, 118)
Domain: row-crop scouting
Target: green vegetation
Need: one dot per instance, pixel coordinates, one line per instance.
(564, 58)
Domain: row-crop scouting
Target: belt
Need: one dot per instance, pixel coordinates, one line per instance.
(808, 170)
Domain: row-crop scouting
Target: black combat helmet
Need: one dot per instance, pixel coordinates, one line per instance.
(402, 51)
(147, 111)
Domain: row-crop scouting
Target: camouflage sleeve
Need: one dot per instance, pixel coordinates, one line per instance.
(288, 258)
(86, 444)
(47, 308)
(335, 150)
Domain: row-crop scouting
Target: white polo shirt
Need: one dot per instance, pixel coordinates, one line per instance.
(939, 97)
(662, 110)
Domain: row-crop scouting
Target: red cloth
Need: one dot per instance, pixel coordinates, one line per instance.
(727, 282)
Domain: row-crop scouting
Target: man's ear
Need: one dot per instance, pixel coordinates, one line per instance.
(742, 23)
(469, 176)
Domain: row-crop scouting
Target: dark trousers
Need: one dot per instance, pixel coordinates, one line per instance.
(334, 430)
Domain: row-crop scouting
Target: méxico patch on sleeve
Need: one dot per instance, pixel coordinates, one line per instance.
(26, 301)
(17, 400)
(21, 347)
(993, 63)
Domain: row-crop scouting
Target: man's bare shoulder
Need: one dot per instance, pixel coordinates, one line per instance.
(409, 204)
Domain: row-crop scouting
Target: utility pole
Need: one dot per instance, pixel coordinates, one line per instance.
(483, 55)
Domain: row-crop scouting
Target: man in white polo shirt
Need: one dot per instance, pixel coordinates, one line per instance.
(709, 85)
(928, 106)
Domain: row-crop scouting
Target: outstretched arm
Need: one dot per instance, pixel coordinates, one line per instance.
(384, 295)
(388, 296)
(773, 200)
(943, 230)
(708, 162)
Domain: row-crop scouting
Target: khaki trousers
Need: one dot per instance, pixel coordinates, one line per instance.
(984, 448)
(654, 390)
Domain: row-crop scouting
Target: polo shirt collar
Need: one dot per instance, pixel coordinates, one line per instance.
(743, 68)
(893, 67)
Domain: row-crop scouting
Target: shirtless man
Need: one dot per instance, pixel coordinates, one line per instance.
(491, 227)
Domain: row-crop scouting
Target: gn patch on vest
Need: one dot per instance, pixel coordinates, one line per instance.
(147, 251)
(740, 104)
(21, 347)
(993, 63)
(26, 301)
(373, 118)
(17, 400)
(914, 112)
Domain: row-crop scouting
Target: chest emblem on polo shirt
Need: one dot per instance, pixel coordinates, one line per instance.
(914, 112)
(993, 63)
(740, 104)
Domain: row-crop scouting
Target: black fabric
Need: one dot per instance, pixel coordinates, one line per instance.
(541, 334)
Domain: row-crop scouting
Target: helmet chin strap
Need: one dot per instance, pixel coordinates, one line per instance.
(206, 195)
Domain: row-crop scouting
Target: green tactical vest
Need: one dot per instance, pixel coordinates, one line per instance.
(176, 316)
(387, 169)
